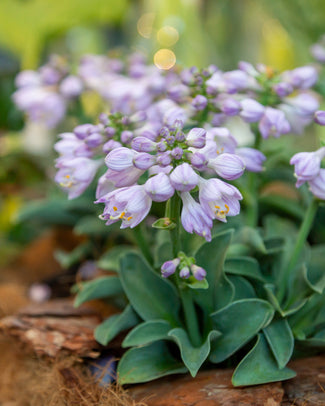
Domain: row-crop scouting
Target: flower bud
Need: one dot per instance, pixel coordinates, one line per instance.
(183, 178)
(169, 267)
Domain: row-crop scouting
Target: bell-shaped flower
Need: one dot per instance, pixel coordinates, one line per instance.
(169, 267)
(159, 187)
(251, 110)
(227, 166)
(194, 218)
(317, 185)
(71, 146)
(143, 144)
(196, 138)
(75, 175)
(219, 199)
(184, 178)
(252, 158)
(198, 272)
(273, 123)
(129, 204)
(120, 159)
(307, 165)
(319, 117)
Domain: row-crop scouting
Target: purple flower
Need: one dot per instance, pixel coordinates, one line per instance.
(318, 52)
(28, 78)
(317, 185)
(230, 107)
(184, 178)
(303, 77)
(199, 102)
(252, 111)
(193, 217)
(159, 188)
(110, 145)
(196, 138)
(144, 161)
(129, 204)
(71, 146)
(273, 123)
(319, 117)
(169, 267)
(252, 158)
(84, 130)
(199, 161)
(307, 165)
(219, 199)
(120, 159)
(75, 175)
(127, 177)
(71, 86)
(305, 104)
(228, 166)
(143, 144)
(198, 272)
(283, 89)
(184, 273)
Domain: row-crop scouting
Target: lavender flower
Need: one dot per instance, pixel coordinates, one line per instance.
(159, 188)
(228, 166)
(129, 204)
(169, 267)
(319, 117)
(317, 185)
(273, 123)
(194, 218)
(307, 165)
(219, 199)
(198, 272)
(252, 111)
(252, 158)
(184, 178)
(75, 175)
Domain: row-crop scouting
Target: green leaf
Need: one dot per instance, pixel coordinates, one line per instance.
(250, 237)
(151, 296)
(315, 270)
(193, 283)
(48, 212)
(68, 259)
(111, 327)
(244, 266)
(98, 288)
(280, 338)
(91, 225)
(147, 332)
(110, 261)
(143, 364)
(239, 322)
(259, 366)
(193, 357)
(163, 252)
(270, 291)
(243, 289)
(211, 256)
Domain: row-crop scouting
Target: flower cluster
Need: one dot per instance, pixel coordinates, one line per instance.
(186, 266)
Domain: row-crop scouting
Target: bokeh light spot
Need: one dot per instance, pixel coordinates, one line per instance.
(145, 24)
(167, 36)
(164, 59)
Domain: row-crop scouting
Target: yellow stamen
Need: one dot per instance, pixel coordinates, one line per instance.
(122, 214)
(114, 208)
(67, 176)
(227, 207)
(129, 218)
(217, 207)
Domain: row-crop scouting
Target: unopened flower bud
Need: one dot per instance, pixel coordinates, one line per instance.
(169, 267)
(198, 272)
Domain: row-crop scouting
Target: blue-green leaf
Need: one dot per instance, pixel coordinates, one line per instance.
(211, 256)
(110, 261)
(259, 366)
(244, 266)
(193, 357)
(147, 332)
(239, 322)
(243, 288)
(143, 364)
(98, 288)
(280, 339)
(151, 296)
(112, 326)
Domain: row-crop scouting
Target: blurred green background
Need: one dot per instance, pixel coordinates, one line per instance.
(198, 32)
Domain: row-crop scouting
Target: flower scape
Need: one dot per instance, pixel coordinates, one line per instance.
(186, 158)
